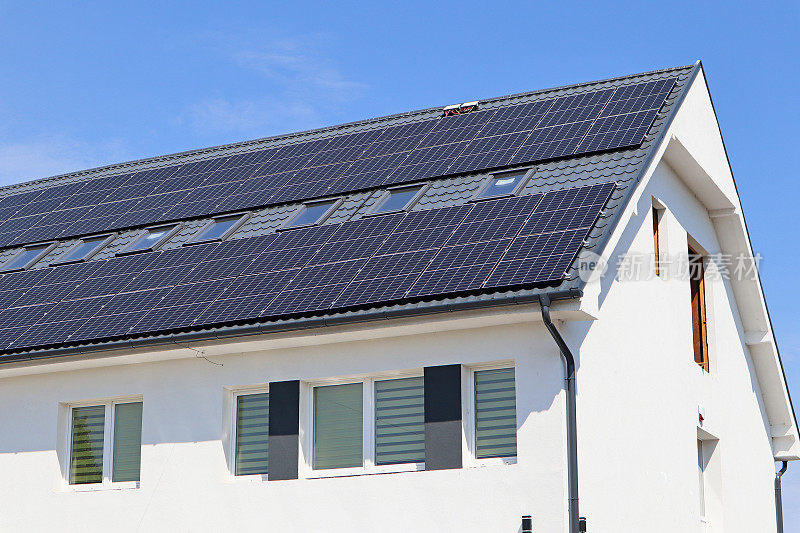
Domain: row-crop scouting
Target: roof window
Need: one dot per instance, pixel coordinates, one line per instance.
(219, 228)
(84, 249)
(312, 213)
(398, 199)
(503, 185)
(26, 257)
(151, 240)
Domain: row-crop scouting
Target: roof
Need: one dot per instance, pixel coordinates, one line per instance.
(446, 249)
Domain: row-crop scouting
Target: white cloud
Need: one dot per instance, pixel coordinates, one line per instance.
(49, 156)
(302, 86)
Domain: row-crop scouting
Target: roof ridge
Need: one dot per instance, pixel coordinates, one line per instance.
(153, 160)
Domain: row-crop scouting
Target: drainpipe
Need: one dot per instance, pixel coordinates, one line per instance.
(778, 502)
(576, 523)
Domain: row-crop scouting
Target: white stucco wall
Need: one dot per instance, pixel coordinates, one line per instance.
(185, 481)
(640, 390)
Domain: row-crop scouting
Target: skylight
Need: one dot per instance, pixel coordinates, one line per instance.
(150, 240)
(397, 200)
(218, 228)
(313, 213)
(26, 257)
(503, 185)
(85, 249)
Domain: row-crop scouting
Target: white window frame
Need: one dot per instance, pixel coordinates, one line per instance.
(468, 414)
(368, 429)
(108, 445)
(233, 407)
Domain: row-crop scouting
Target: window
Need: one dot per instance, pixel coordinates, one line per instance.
(105, 443)
(697, 289)
(151, 240)
(26, 257)
(371, 425)
(219, 228)
(503, 185)
(312, 213)
(398, 199)
(84, 249)
(495, 413)
(338, 426)
(657, 216)
(701, 474)
(252, 434)
(399, 421)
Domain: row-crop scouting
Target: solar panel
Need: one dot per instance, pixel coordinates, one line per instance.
(460, 268)
(371, 260)
(129, 302)
(100, 327)
(233, 309)
(628, 116)
(537, 258)
(521, 133)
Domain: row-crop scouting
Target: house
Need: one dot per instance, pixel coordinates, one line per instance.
(492, 316)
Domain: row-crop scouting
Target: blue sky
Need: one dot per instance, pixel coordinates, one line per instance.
(95, 83)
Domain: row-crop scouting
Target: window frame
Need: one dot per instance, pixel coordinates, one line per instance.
(235, 392)
(243, 217)
(468, 414)
(423, 188)
(368, 465)
(47, 247)
(108, 445)
(156, 245)
(106, 239)
(336, 202)
(479, 195)
(699, 315)
(658, 213)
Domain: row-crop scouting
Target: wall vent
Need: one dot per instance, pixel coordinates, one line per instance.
(459, 109)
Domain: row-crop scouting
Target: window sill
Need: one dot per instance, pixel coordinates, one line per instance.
(248, 478)
(491, 461)
(365, 471)
(111, 485)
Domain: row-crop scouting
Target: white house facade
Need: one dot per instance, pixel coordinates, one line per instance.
(438, 402)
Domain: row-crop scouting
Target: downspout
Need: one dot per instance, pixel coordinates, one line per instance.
(778, 501)
(576, 524)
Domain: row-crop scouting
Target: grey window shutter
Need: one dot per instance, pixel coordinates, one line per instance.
(284, 429)
(338, 426)
(86, 454)
(442, 417)
(252, 433)
(399, 421)
(127, 452)
(495, 413)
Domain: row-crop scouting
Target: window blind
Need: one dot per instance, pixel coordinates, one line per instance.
(252, 432)
(495, 413)
(399, 421)
(127, 441)
(86, 454)
(338, 426)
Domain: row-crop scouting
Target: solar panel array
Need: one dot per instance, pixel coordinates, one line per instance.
(570, 125)
(510, 242)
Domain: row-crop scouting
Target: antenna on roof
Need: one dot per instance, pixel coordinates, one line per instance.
(459, 109)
